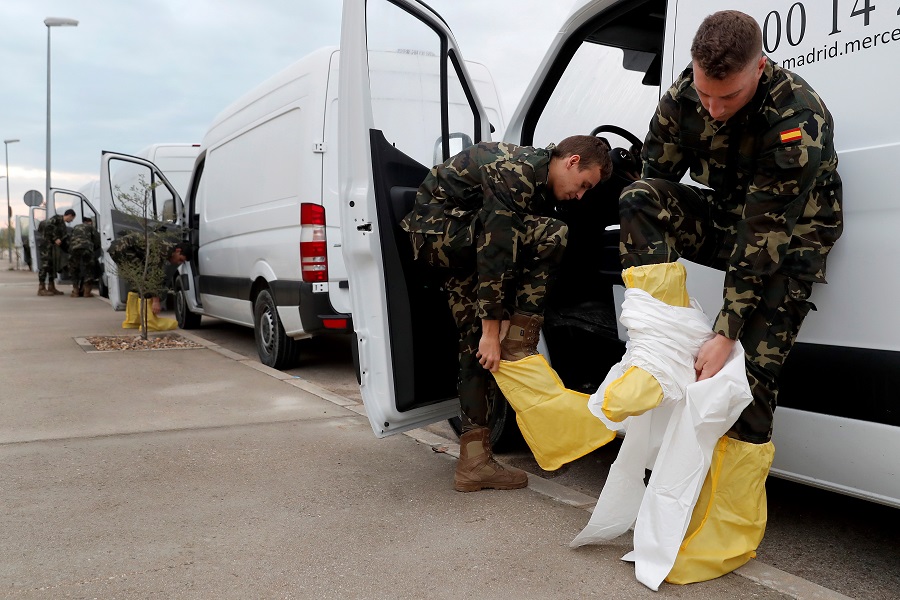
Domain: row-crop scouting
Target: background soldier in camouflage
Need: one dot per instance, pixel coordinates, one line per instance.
(54, 239)
(484, 217)
(762, 140)
(128, 252)
(84, 248)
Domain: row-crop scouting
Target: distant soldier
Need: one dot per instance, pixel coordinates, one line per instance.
(54, 239)
(84, 250)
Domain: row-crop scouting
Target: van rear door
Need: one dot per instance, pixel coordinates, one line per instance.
(62, 200)
(124, 177)
(406, 103)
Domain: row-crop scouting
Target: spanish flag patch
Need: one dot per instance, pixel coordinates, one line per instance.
(790, 135)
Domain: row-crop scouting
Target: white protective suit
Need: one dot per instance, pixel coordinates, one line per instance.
(675, 440)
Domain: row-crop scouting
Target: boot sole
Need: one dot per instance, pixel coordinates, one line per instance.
(477, 487)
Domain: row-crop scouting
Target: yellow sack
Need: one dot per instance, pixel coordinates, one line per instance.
(132, 312)
(729, 519)
(555, 421)
(133, 316)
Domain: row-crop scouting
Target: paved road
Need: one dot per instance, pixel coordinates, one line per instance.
(844, 544)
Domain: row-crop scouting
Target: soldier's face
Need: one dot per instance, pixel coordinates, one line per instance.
(568, 181)
(723, 98)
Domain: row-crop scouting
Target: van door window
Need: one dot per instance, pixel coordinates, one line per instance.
(136, 189)
(601, 85)
(63, 201)
(406, 58)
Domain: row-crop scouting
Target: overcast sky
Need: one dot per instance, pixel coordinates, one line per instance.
(138, 72)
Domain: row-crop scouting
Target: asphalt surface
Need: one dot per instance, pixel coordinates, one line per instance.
(199, 473)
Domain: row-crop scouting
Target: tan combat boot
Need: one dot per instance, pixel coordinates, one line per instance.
(476, 468)
(42, 290)
(76, 293)
(523, 336)
(51, 288)
(86, 290)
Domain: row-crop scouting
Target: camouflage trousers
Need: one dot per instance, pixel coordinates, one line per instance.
(82, 268)
(537, 253)
(50, 264)
(663, 221)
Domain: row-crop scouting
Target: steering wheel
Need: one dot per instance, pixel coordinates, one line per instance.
(627, 162)
(636, 142)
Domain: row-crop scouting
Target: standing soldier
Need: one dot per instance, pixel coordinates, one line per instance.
(54, 236)
(84, 246)
(484, 218)
(761, 143)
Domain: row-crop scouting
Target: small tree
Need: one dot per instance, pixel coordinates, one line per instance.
(142, 265)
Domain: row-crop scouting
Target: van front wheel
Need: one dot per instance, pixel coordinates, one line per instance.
(275, 348)
(186, 319)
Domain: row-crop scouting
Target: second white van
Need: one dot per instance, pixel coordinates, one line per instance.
(262, 211)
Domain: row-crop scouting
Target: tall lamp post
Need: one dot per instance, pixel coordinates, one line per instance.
(52, 22)
(6, 144)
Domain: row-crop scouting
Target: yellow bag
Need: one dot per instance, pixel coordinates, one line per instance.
(133, 316)
(555, 421)
(729, 519)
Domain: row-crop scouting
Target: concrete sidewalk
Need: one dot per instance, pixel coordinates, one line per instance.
(197, 473)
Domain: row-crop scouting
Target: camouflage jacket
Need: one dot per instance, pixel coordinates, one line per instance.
(774, 171)
(486, 188)
(52, 229)
(84, 239)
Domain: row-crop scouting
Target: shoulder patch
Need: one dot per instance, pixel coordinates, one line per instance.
(790, 135)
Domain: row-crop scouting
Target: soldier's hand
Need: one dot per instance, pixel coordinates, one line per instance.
(489, 346)
(155, 306)
(58, 242)
(712, 356)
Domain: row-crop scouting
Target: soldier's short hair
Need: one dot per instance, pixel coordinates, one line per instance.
(69, 212)
(86, 220)
(725, 43)
(184, 247)
(594, 151)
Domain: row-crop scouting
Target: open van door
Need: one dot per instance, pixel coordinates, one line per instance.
(121, 175)
(36, 214)
(60, 201)
(405, 103)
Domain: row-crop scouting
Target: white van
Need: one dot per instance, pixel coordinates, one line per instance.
(166, 169)
(837, 426)
(262, 208)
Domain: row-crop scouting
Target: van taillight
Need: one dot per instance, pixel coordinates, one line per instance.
(313, 249)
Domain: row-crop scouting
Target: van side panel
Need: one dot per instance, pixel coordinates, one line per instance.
(249, 205)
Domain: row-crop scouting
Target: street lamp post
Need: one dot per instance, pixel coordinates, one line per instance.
(6, 144)
(52, 22)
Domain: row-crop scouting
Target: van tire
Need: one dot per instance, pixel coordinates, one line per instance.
(186, 319)
(274, 347)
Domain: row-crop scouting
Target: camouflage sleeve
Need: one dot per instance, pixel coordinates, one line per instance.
(56, 229)
(785, 175)
(508, 189)
(662, 154)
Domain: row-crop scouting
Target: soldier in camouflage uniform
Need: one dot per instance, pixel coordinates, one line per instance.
(54, 239)
(84, 248)
(131, 248)
(484, 218)
(761, 140)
